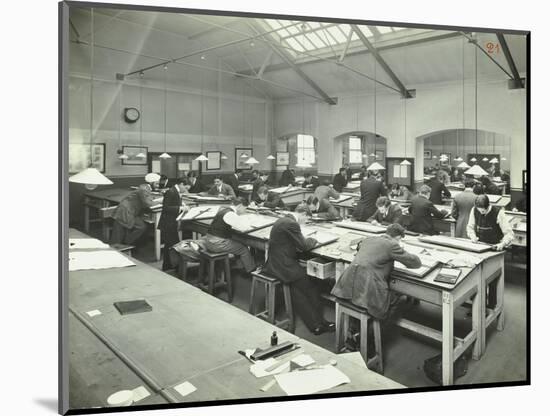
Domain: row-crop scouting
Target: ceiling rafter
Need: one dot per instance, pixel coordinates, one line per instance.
(509, 58)
(404, 92)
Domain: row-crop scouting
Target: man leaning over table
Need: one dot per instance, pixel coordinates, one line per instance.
(488, 224)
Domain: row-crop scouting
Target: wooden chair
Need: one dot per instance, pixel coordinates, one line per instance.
(270, 289)
(184, 264)
(345, 310)
(209, 259)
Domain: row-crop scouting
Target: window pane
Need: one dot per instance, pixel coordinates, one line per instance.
(366, 31)
(355, 156)
(309, 155)
(337, 33)
(355, 143)
(294, 45)
(383, 29)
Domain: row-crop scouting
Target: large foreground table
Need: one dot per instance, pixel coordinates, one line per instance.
(188, 336)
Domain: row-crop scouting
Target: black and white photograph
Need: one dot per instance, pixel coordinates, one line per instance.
(385, 251)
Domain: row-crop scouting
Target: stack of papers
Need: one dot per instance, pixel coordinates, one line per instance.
(311, 381)
(94, 260)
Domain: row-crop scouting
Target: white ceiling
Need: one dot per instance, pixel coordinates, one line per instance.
(128, 41)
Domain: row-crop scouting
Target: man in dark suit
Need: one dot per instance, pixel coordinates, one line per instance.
(347, 172)
(128, 224)
(439, 189)
(261, 178)
(340, 181)
(422, 210)
(310, 181)
(172, 206)
(287, 178)
(196, 185)
(268, 200)
(371, 189)
(386, 213)
(285, 241)
(233, 181)
(323, 208)
(221, 189)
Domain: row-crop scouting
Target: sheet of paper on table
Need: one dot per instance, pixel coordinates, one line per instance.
(246, 187)
(284, 189)
(460, 243)
(342, 198)
(361, 226)
(257, 221)
(199, 213)
(311, 381)
(94, 260)
(84, 243)
(185, 388)
(322, 237)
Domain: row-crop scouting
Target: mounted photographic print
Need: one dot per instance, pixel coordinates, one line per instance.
(283, 158)
(81, 154)
(132, 152)
(214, 160)
(446, 161)
(241, 156)
(162, 308)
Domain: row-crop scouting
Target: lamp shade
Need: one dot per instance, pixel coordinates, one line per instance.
(458, 159)
(376, 166)
(271, 157)
(90, 176)
(201, 158)
(123, 157)
(493, 160)
(473, 159)
(244, 156)
(141, 155)
(502, 158)
(405, 162)
(485, 159)
(165, 156)
(251, 161)
(476, 170)
(463, 165)
(224, 157)
(372, 155)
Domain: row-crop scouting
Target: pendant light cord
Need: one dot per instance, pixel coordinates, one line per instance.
(141, 110)
(91, 86)
(165, 102)
(475, 73)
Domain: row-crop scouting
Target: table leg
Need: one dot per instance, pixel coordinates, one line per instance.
(477, 309)
(86, 214)
(447, 363)
(156, 217)
(482, 294)
(500, 297)
(453, 229)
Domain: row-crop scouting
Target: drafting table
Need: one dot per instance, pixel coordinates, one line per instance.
(188, 336)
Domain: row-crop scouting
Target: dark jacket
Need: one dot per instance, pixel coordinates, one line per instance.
(421, 211)
(339, 182)
(366, 281)
(438, 189)
(273, 201)
(197, 187)
(393, 215)
(257, 184)
(285, 240)
(327, 210)
(326, 192)
(134, 205)
(371, 189)
(171, 205)
(227, 190)
(233, 182)
(313, 184)
(287, 178)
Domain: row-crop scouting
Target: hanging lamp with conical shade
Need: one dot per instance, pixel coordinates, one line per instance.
(270, 157)
(476, 170)
(91, 177)
(405, 162)
(165, 155)
(376, 166)
(141, 155)
(463, 165)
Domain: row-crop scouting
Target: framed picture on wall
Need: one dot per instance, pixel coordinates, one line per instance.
(80, 155)
(239, 159)
(427, 153)
(132, 152)
(283, 158)
(380, 155)
(214, 160)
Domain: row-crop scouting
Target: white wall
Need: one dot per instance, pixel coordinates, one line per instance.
(435, 108)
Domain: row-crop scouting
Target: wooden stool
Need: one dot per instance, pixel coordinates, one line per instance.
(183, 266)
(225, 278)
(123, 248)
(270, 288)
(346, 309)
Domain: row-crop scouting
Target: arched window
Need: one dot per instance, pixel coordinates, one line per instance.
(306, 148)
(355, 149)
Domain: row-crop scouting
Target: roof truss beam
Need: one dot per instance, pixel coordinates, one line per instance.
(518, 81)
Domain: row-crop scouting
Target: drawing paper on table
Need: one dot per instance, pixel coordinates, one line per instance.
(340, 199)
(94, 260)
(83, 243)
(311, 381)
(209, 198)
(140, 393)
(262, 233)
(494, 198)
(460, 243)
(322, 237)
(420, 272)
(361, 226)
(199, 213)
(284, 189)
(246, 187)
(185, 388)
(255, 221)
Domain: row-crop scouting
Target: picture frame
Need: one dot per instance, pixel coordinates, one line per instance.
(283, 158)
(131, 152)
(79, 156)
(427, 154)
(380, 155)
(239, 162)
(214, 160)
